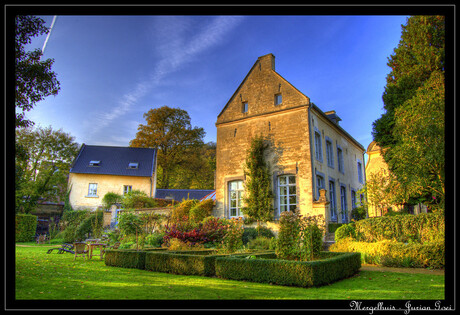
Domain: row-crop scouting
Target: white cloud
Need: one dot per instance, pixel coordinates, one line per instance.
(176, 47)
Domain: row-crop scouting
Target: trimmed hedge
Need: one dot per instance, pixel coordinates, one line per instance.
(26, 226)
(127, 258)
(396, 254)
(334, 267)
(200, 263)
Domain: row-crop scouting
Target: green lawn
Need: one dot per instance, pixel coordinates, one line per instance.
(41, 276)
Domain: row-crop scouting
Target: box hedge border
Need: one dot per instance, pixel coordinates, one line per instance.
(127, 258)
(287, 272)
(198, 263)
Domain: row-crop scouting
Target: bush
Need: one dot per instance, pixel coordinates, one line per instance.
(110, 199)
(424, 227)
(137, 199)
(210, 231)
(201, 210)
(251, 233)
(182, 211)
(154, 239)
(395, 254)
(232, 240)
(70, 222)
(345, 231)
(311, 237)
(26, 226)
(288, 236)
(359, 213)
(92, 224)
(259, 243)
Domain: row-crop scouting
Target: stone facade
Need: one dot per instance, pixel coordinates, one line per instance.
(268, 105)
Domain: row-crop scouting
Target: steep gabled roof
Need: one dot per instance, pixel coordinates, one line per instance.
(107, 160)
(272, 71)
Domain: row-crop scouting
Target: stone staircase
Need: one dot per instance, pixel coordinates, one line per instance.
(329, 239)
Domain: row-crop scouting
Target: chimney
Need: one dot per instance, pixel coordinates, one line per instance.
(267, 62)
(333, 116)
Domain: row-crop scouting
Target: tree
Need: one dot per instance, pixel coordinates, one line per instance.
(198, 173)
(258, 194)
(170, 131)
(383, 191)
(42, 172)
(34, 78)
(411, 131)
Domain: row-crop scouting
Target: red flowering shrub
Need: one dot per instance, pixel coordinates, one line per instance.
(209, 231)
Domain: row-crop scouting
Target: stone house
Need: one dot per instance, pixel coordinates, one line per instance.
(316, 166)
(98, 170)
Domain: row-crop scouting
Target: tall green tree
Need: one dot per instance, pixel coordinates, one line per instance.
(34, 78)
(170, 131)
(411, 131)
(42, 172)
(258, 194)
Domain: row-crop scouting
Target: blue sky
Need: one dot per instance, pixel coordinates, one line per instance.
(113, 69)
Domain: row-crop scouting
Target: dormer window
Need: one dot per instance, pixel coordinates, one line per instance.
(94, 163)
(133, 165)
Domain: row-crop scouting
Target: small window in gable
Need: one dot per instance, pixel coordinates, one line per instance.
(133, 165)
(94, 163)
(245, 107)
(278, 99)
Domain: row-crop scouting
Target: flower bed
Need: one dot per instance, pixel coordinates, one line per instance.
(333, 267)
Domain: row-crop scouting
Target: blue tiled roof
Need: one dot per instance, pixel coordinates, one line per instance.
(180, 194)
(115, 161)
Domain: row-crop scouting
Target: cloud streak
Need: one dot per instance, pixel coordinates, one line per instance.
(176, 48)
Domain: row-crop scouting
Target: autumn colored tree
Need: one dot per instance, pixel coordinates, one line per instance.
(170, 131)
(34, 78)
(411, 131)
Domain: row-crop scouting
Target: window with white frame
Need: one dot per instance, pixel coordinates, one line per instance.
(360, 172)
(318, 146)
(92, 190)
(127, 189)
(343, 203)
(235, 198)
(329, 153)
(287, 193)
(340, 160)
(332, 200)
